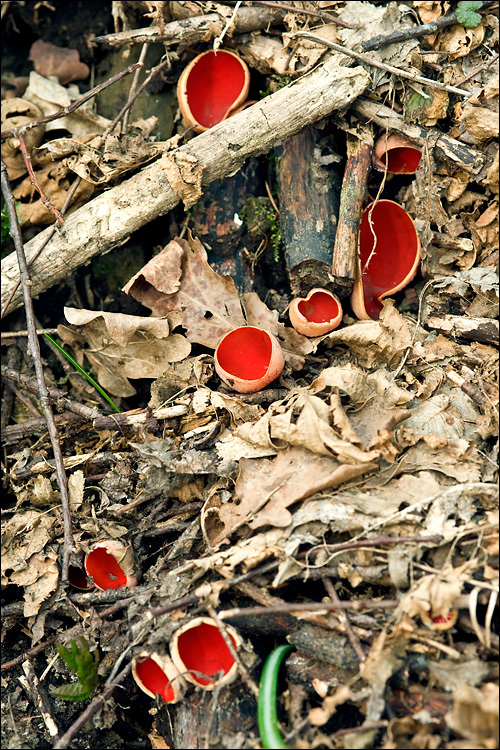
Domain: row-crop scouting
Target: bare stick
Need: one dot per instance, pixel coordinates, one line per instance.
(34, 348)
(352, 200)
(67, 202)
(416, 32)
(38, 695)
(383, 66)
(29, 166)
(304, 12)
(54, 394)
(356, 605)
(344, 620)
(71, 107)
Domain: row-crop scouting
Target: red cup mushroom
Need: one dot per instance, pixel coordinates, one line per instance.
(201, 655)
(388, 258)
(211, 88)
(77, 577)
(248, 358)
(397, 152)
(156, 674)
(439, 622)
(110, 564)
(318, 313)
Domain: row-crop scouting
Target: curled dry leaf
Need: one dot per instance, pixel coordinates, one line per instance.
(17, 112)
(56, 182)
(304, 420)
(64, 63)
(267, 487)
(180, 278)
(125, 346)
(25, 560)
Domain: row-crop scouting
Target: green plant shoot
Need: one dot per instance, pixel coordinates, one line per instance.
(84, 663)
(82, 372)
(466, 15)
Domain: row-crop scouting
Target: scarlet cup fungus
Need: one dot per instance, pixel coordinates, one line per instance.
(399, 153)
(439, 622)
(389, 256)
(156, 674)
(248, 358)
(78, 578)
(110, 564)
(211, 88)
(318, 313)
(201, 655)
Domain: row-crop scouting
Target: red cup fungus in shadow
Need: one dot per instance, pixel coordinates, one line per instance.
(387, 265)
(316, 314)
(399, 153)
(248, 358)
(201, 655)
(110, 564)
(211, 88)
(78, 578)
(156, 674)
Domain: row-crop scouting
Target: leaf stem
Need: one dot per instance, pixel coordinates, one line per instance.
(267, 715)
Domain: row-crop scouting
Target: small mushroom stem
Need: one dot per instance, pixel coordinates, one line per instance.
(352, 200)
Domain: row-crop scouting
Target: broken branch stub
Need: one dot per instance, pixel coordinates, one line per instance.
(108, 220)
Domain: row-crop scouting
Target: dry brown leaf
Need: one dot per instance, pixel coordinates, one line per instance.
(17, 112)
(376, 343)
(457, 41)
(303, 420)
(180, 278)
(480, 122)
(266, 487)
(24, 560)
(125, 346)
(56, 181)
(62, 62)
(474, 714)
(184, 174)
(435, 595)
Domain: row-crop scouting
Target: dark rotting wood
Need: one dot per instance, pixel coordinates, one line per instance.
(309, 199)
(217, 219)
(352, 200)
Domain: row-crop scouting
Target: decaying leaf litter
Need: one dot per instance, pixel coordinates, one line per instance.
(363, 477)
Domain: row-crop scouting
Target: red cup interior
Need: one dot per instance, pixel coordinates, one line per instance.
(394, 256)
(245, 353)
(402, 160)
(154, 678)
(319, 308)
(214, 83)
(203, 649)
(104, 569)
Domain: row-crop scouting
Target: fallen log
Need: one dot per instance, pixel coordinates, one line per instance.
(109, 219)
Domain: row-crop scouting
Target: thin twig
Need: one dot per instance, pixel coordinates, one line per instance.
(67, 202)
(34, 181)
(92, 709)
(383, 66)
(133, 85)
(415, 32)
(484, 66)
(34, 348)
(55, 394)
(303, 11)
(23, 334)
(356, 605)
(30, 653)
(355, 642)
(37, 693)
(71, 107)
(134, 96)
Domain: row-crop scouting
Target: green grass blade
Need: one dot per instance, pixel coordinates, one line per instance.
(82, 372)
